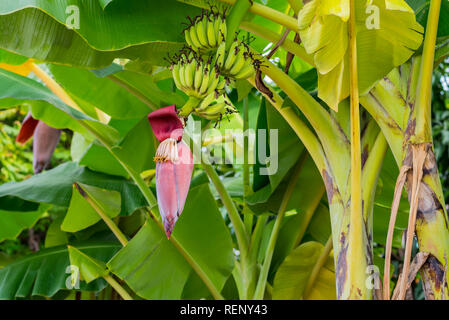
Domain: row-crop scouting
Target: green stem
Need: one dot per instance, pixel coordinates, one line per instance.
(307, 137)
(257, 236)
(248, 217)
(235, 16)
(261, 283)
(117, 287)
(271, 14)
(333, 140)
(317, 267)
(97, 207)
(239, 227)
(422, 111)
(274, 37)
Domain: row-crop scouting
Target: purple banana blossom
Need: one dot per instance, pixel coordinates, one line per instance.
(174, 165)
(45, 141)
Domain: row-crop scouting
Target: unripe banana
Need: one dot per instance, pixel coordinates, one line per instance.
(231, 56)
(206, 102)
(176, 77)
(201, 33)
(189, 74)
(182, 81)
(205, 82)
(213, 84)
(220, 55)
(239, 63)
(217, 23)
(194, 37)
(247, 71)
(212, 37)
(214, 109)
(198, 76)
(189, 39)
(223, 27)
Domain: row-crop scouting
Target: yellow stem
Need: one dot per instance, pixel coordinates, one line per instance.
(271, 14)
(356, 258)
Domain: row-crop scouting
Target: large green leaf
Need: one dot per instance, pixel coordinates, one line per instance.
(81, 214)
(89, 268)
(421, 8)
(55, 187)
(102, 93)
(13, 222)
(136, 29)
(293, 275)
(152, 266)
(51, 109)
(381, 46)
(45, 273)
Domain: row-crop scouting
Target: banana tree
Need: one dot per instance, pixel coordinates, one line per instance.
(207, 70)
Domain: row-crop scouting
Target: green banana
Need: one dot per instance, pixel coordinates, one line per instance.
(247, 71)
(198, 76)
(217, 23)
(238, 64)
(176, 77)
(212, 37)
(194, 37)
(205, 82)
(200, 32)
(231, 56)
(206, 102)
(220, 55)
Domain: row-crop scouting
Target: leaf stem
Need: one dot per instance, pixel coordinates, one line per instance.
(235, 16)
(274, 37)
(261, 283)
(97, 207)
(248, 217)
(239, 227)
(271, 14)
(321, 262)
(354, 285)
(422, 111)
(117, 287)
(307, 137)
(333, 140)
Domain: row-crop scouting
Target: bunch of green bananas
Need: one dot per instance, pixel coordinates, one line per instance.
(238, 63)
(206, 32)
(196, 77)
(213, 108)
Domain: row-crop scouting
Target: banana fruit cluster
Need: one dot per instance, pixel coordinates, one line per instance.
(197, 78)
(204, 85)
(206, 33)
(213, 108)
(204, 69)
(238, 63)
